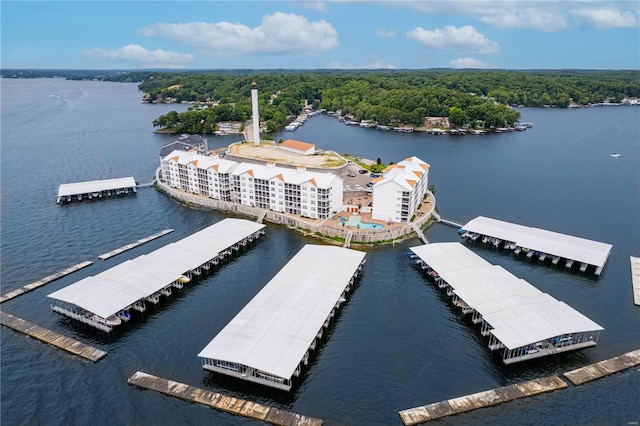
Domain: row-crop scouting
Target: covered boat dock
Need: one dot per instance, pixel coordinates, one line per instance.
(271, 338)
(106, 300)
(539, 243)
(520, 320)
(88, 190)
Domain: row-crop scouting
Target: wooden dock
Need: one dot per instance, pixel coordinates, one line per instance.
(46, 280)
(134, 245)
(604, 368)
(635, 279)
(221, 402)
(484, 399)
(70, 345)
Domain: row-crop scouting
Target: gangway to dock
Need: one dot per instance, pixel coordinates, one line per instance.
(347, 240)
(440, 219)
(263, 214)
(635, 279)
(418, 231)
(104, 301)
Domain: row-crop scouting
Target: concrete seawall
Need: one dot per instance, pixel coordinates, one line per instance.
(310, 226)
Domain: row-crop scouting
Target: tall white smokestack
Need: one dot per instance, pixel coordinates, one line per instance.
(255, 113)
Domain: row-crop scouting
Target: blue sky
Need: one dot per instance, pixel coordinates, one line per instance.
(550, 34)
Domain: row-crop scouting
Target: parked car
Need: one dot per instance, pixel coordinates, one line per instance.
(363, 171)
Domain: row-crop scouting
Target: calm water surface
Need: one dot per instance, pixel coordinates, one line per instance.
(397, 344)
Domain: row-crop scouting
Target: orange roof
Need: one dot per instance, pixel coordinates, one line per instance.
(313, 182)
(419, 174)
(425, 166)
(194, 162)
(390, 167)
(215, 167)
(378, 179)
(280, 177)
(411, 182)
(294, 144)
(176, 158)
(250, 172)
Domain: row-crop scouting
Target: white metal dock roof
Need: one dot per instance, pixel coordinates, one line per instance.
(67, 189)
(115, 289)
(275, 329)
(553, 243)
(519, 313)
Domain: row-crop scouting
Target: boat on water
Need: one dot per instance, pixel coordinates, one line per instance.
(614, 155)
(111, 321)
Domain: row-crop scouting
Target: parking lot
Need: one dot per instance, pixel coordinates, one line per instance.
(356, 180)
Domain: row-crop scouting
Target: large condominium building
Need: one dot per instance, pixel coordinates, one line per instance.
(400, 189)
(297, 191)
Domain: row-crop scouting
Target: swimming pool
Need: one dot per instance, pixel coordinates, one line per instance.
(365, 225)
(355, 222)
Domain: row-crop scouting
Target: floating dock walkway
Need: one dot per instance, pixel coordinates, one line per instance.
(539, 243)
(70, 345)
(93, 189)
(105, 300)
(635, 279)
(438, 410)
(46, 280)
(134, 244)
(440, 219)
(270, 340)
(221, 402)
(519, 320)
(604, 368)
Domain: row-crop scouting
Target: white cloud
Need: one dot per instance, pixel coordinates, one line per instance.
(604, 18)
(142, 57)
(319, 6)
(385, 33)
(542, 15)
(280, 33)
(463, 39)
(469, 63)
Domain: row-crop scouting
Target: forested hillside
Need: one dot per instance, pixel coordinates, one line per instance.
(466, 97)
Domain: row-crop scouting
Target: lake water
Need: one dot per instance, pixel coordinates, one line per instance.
(396, 344)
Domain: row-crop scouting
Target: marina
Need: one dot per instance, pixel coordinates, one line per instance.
(520, 321)
(239, 407)
(46, 280)
(396, 339)
(604, 368)
(95, 189)
(107, 299)
(635, 279)
(133, 245)
(539, 243)
(47, 336)
(438, 410)
(270, 340)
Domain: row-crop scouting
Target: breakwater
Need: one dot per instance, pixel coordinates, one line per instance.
(221, 402)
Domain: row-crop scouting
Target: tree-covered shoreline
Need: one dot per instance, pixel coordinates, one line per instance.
(466, 97)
